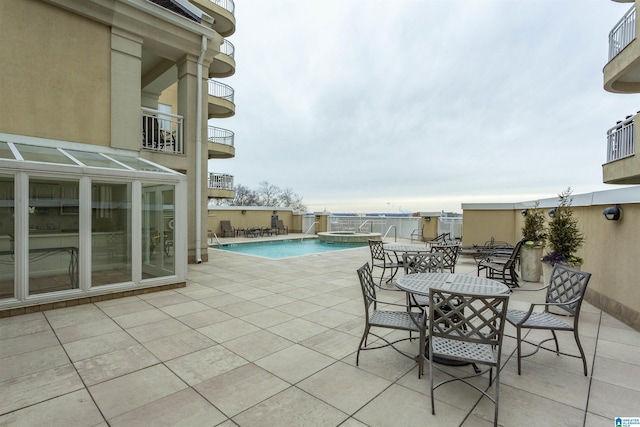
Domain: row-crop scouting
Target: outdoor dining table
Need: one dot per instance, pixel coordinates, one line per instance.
(414, 249)
(420, 283)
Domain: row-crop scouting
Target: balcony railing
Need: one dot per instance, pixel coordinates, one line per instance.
(226, 4)
(220, 136)
(162, 131)
(621, 140)
(220, 90)
(220, 181)
(623, 33)
(227, 48)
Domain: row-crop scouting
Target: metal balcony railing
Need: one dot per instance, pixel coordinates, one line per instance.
(162, 131)
(227, 48)
(623, 33)
(621, 140)
(220, 90)
(220, 181)
(220, 136)
(226, 4)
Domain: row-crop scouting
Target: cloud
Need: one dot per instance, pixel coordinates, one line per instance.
(438, 103)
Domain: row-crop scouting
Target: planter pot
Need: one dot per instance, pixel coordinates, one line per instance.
(530, 264)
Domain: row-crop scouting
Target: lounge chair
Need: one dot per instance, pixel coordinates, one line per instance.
(281, 228)
(227, 229)
(502, 267)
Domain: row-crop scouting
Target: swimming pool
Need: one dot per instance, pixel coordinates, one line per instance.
(286, 248)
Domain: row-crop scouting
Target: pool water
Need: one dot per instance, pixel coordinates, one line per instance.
(286, 248)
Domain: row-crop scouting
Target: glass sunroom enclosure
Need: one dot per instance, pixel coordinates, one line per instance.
(78, 221)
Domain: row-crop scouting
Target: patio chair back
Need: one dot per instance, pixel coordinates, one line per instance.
(567, 287)
(450, 254)
(225, 225)
(468, 328)
(423, 262)
(368, 288)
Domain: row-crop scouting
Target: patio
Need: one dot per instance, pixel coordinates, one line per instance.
(258, 342)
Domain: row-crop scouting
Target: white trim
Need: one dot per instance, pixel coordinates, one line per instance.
(623, 195)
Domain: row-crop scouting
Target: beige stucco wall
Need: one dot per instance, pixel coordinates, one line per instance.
(610, 251)
(55, 76)
(254, 217)
(479, 226)
(429, 228)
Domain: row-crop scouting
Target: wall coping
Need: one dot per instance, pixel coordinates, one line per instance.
(626, 195)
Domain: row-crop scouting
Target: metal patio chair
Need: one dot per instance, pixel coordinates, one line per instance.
(227, 229)
(450, 254)
(467, 328)
(422, 263)
(402, 319)
(380, 258)
(501, 266)
(565, 291)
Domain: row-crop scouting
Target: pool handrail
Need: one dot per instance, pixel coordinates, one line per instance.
(395, 233)
(305, 233)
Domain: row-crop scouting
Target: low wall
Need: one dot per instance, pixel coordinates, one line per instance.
(610, 250)
(250, 216)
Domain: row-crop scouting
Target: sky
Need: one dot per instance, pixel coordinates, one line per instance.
(421, 105)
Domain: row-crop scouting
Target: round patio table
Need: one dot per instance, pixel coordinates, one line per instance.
(414, 249)
(420, 283)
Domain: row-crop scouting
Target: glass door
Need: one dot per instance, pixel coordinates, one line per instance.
(158, 209)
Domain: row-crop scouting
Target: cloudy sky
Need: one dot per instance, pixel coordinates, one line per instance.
(421, 105)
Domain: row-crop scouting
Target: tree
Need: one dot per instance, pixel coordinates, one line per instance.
(245, 197)
(533, 229)
(290, 199)
(268, 194)
(564, 236)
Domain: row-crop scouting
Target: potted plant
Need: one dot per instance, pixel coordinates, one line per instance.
(534, 235)
(563, 236)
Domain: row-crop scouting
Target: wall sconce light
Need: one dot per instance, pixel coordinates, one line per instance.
(612, 213)
(552, 213)
(275, 212)
(524, 212)
(244, 211)
(427, 218)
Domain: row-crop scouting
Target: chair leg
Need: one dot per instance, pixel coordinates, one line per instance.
(362, 341)
(433, 403)
(584, 358)
(497, 397)
(518, 345)
(555, 338)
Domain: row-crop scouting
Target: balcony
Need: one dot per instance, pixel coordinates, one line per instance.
(220, 143)
(222, 11)
(220, 100)
(224, 64)
(622, 72)
(220, 186)
(162, 132)
(622, 166)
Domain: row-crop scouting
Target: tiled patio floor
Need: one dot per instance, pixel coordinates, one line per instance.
(257, 342)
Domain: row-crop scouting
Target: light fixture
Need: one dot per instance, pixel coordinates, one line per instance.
(552, 212)
(275, 212)
(244, 211)
(524, 212)
(427, 218)
(612, 213)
